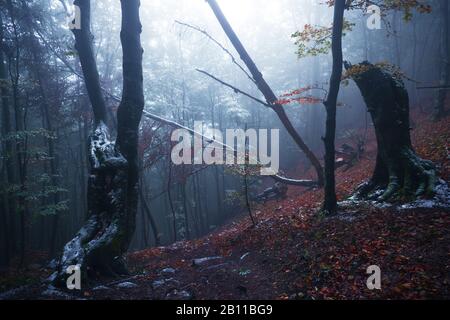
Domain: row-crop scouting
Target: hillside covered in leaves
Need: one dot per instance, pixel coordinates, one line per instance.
(294, 252)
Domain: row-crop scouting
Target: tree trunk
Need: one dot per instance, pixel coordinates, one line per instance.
(20, 115)
(172, 209)
(246, 188)
(439, 104)
(185, 210)
(146, 209)
(330, 203)
(40, 77)
(130, 109)
(100, 244)
(8, 153)
(399, 172)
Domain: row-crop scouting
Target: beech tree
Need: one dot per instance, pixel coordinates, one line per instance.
(113, 183)
(398, 172)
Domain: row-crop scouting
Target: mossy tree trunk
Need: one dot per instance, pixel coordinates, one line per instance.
(99, 246)
(399, 172)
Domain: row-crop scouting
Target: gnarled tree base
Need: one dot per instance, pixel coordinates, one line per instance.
(99, 245)
(417, 177)
(399, 172)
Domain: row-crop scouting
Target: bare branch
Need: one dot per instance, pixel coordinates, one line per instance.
(206, 34)
(293, 182)
(234, 88)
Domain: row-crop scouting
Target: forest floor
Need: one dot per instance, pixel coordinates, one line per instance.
(296, 253)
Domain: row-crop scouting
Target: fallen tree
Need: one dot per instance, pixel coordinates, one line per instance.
(399, 171)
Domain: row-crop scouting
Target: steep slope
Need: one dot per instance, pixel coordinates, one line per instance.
(295, 253)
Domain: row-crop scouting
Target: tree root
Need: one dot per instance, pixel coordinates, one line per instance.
(418, 178)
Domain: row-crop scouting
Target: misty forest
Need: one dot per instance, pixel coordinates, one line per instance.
(224, 149)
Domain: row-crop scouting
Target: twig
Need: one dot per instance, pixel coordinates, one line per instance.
(234, 88)
(206, 34)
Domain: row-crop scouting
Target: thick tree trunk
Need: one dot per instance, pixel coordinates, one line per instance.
(265, 89)
(330, 203)
(113, 183)
(399, 172)
(130, 109)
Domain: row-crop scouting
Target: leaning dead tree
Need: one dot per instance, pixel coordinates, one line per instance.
(99, 246)
(399, 172)
(266, 90)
